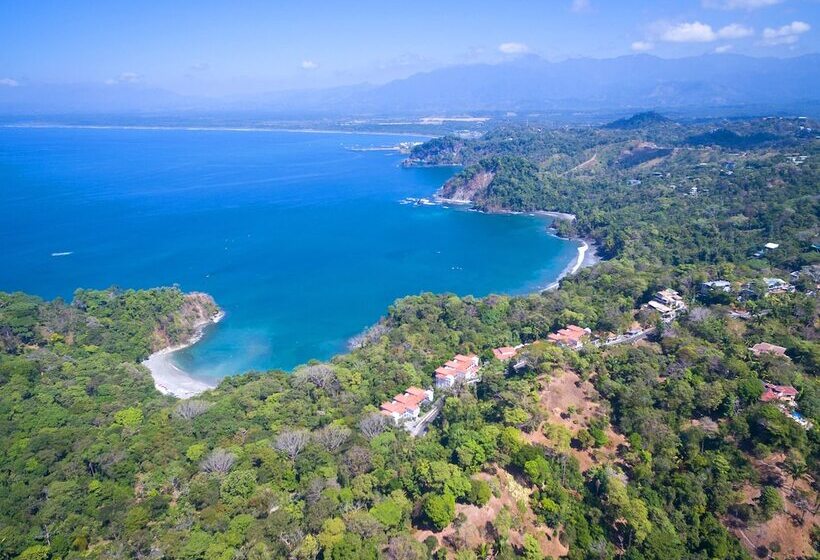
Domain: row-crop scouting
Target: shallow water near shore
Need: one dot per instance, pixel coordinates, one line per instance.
(301, 240)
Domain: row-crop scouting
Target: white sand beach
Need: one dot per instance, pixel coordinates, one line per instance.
(170, 379)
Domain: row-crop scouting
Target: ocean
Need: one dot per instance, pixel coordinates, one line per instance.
(300, 237)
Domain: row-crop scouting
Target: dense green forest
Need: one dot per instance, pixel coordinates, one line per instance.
(655, 449)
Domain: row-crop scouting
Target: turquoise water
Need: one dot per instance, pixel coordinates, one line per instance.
(301, 240)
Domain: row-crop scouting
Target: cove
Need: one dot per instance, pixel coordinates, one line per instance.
(300, 237)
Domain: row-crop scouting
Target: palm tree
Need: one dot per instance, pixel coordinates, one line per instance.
(796, 467)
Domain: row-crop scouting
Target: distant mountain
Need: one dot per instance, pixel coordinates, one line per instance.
(639, 120)
(527, 84)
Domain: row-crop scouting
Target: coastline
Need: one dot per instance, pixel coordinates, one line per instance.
(170, 379)
(587, 257)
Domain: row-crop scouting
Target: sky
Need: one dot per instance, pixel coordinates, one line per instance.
(218, 48)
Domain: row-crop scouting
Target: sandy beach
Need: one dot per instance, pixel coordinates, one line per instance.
(170, 379)
(587, 256)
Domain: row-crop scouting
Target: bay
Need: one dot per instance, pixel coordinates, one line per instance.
(300, 237)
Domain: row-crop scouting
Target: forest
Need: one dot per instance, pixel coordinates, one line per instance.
(665, 447)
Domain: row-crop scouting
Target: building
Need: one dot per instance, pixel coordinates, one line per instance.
(766, 248)
(406, 406)
(762, 348)
(571, 337)
(781, 393)
(460, 369)
(504, 353)
(668, 303)
(777, 286)
(716, 286)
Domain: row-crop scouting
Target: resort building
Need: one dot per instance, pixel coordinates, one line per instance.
(571, 337)
(781, 393)
(460, 369)
(406, 406)
(762, 348)
(504, 353)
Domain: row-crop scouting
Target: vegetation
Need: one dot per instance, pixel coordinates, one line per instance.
(98, 464)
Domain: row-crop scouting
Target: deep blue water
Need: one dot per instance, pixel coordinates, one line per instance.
(300, 240)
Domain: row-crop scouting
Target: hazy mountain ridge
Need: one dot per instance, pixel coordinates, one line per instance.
(528, 83)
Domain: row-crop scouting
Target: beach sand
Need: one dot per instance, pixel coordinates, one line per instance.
(170, 379)
(587, 256)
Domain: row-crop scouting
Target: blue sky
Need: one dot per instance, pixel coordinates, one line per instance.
(217, 48)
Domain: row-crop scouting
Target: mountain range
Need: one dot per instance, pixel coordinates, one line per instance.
(525, 84)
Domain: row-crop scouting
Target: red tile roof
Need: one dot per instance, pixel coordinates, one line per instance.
(416, 391)
(398, 408)
(504, 353)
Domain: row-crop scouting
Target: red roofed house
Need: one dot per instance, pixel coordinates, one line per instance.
(782, 393)
(504, 353)
(407, 405)
(570, 337)
(460, 368)
(765, 348)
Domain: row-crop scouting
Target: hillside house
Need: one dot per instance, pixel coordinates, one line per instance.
(716, 286)
(460, 369)
(781, 393)
(504, 353)
(571, 337)
(762, 348)
(668, 303)
(777, 286)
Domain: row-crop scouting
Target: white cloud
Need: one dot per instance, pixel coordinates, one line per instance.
(513, 48)
(309, 65)
(735, 31)
(698, 32)
(690, 32)
(739, 4)
(8, 82)
(642, 46)
(580, 6)
(723, 49)
(785, 35)
(125, 78)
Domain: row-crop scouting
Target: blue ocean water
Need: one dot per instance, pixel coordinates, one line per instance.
(301, 240)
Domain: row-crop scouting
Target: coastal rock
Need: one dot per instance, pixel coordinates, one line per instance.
(198, 310)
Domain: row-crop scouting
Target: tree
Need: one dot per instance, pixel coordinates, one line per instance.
(219, 461)
(332, 436)
(795, 466)
(404, 547)
(373, 424)
(439, 510)
(190, 409)
(292, 442)
(769, 502)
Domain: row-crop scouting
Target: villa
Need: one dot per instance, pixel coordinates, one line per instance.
(504, 353)
(570, 337)
(460, 369)
(782, 393)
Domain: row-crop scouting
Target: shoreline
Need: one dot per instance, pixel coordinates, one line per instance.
(170, 379)
(587, 257)
(214, 129)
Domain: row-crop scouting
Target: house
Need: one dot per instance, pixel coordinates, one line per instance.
(777, 286)
(406, 406)
(762, 348)
(715, 286)
(811, 272)
(634, 329)
(460, 368)
(667, 303)
(504, 353)
(570, 337)
(633, 182)
(782, 393)
(766, 248)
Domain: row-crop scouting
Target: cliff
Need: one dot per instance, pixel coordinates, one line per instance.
(186, 323)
